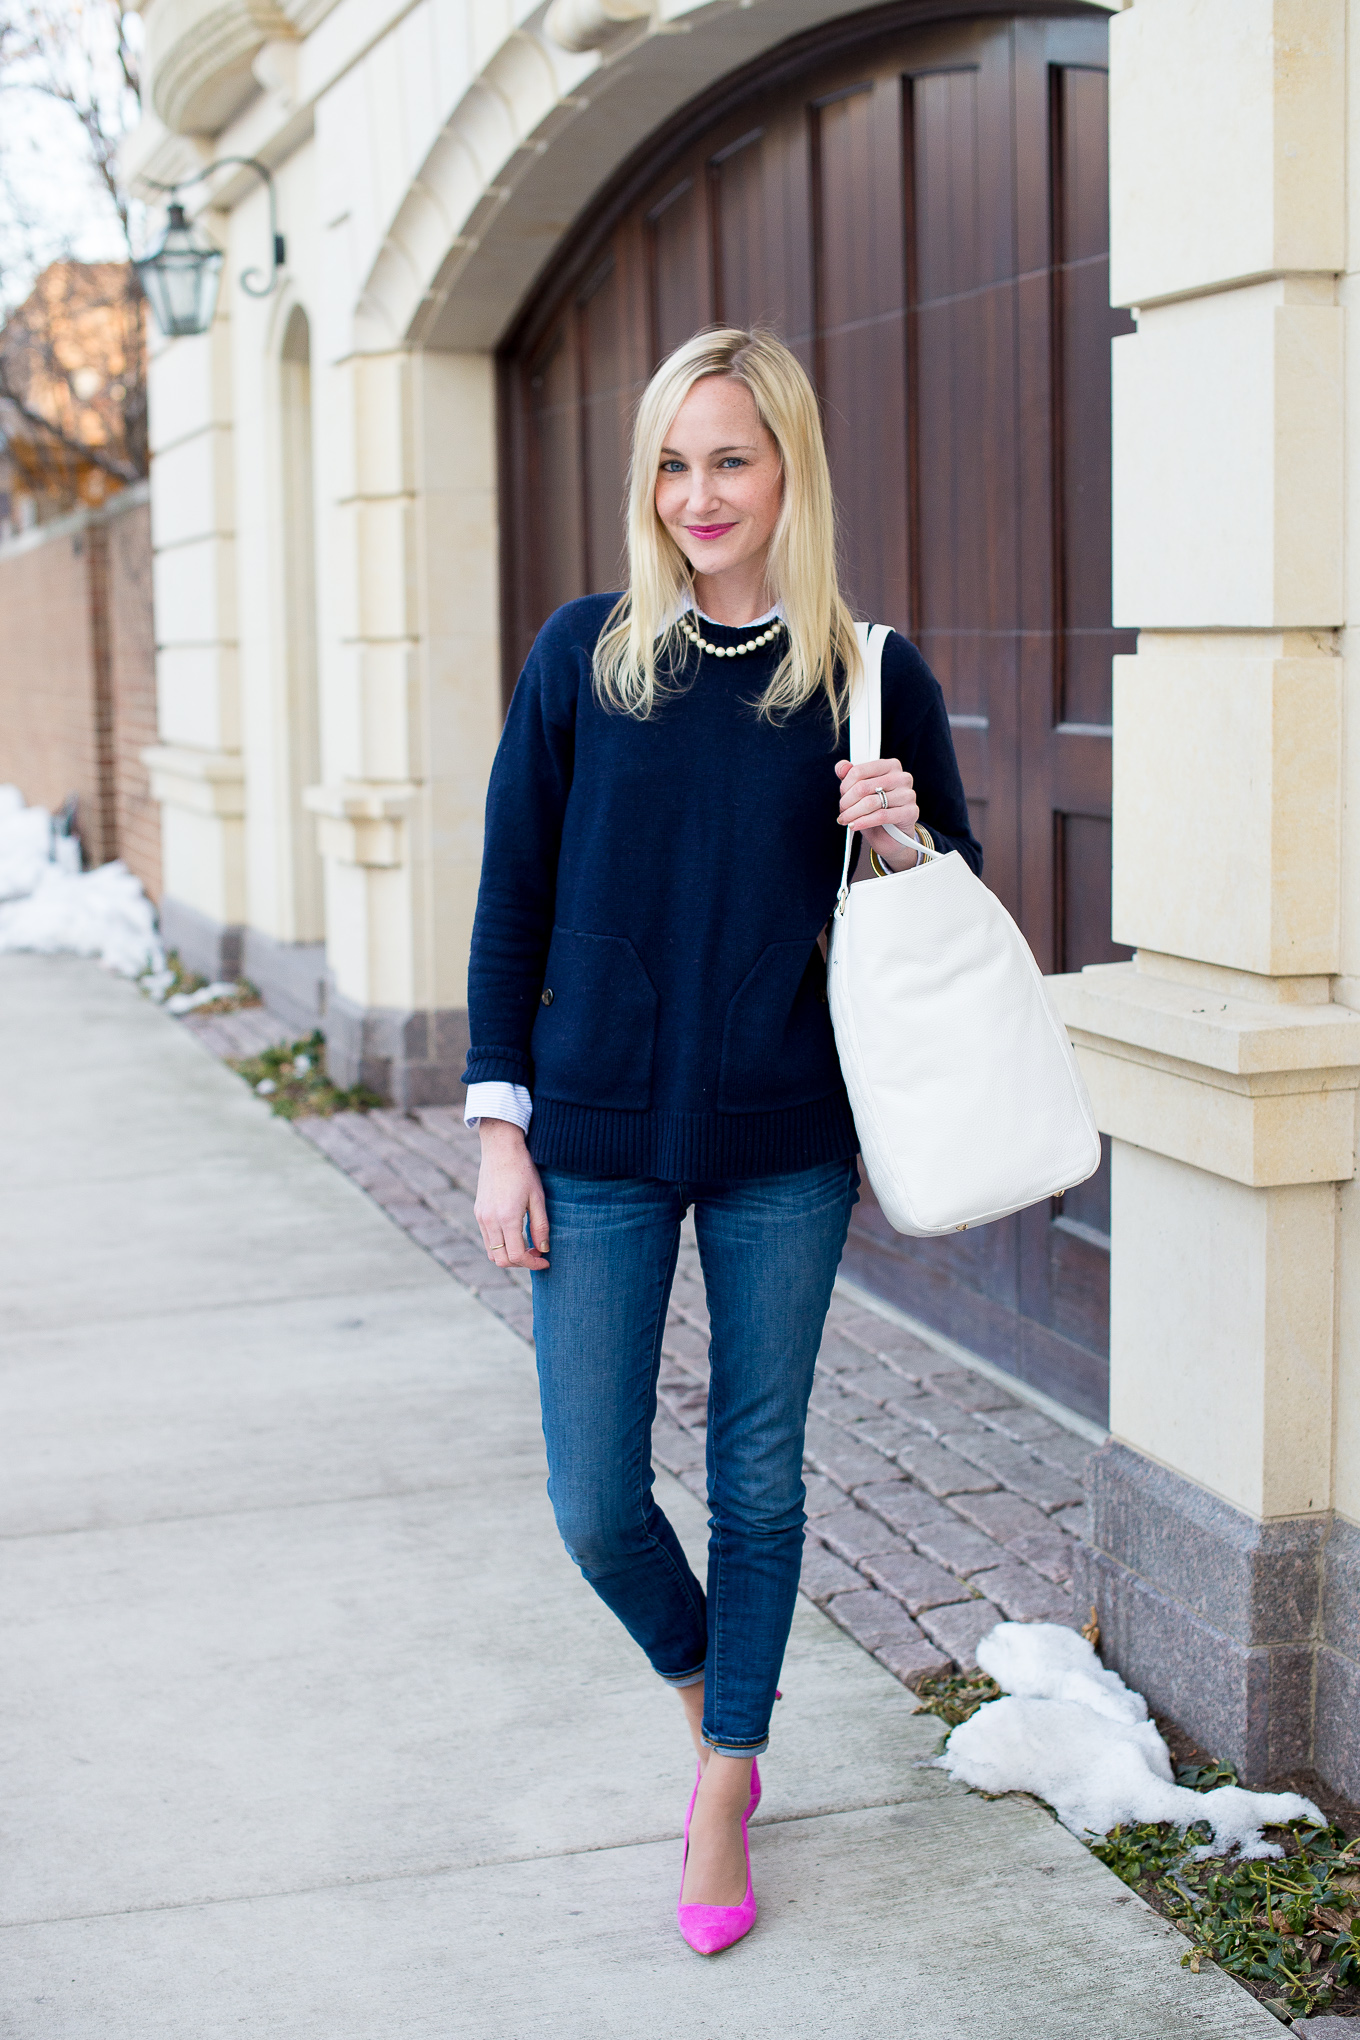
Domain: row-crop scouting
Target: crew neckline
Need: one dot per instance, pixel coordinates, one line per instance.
(756, 623)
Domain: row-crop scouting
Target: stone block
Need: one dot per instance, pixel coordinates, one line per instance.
(1227, 442)
(1023, 1426)
(941, 1471)
(837, 1355)
(901, 1504)
(1001, 1515)
(1022, 1595)
(955, 1546)
(959, 1628)
(1065, 1450)
(1250, 1704)
(829, 1400)
(1257, 1582)
(1075, 1521)
(1014, 1467)
(854, 1534)
(873, 1619)
(1048, 1551)
(932, 1414)
(901, 1349)
(674, 1448)
(684, 1341)
(824, 1575)
(1243, 104)
(833, 1452)
(822, 1495)
(969, 1391)
(688, 1403)
(913, 1660)
(876, 1382)
(885, 1433)
(913, 1580)
(1336, 1722)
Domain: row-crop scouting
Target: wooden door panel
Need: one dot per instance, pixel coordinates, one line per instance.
(557, 561)
(923, 219)
(679, 271)
(859, 352)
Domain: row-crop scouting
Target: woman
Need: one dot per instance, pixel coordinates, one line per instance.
(650, 1028)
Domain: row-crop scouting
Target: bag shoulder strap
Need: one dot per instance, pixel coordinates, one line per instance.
(866, 722)
(866, 702)
(866, 737)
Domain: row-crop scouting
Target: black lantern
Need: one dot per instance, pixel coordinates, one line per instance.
(181, 279)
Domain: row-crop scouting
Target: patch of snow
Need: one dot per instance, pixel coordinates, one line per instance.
(266, 1087)
(101, 913)
(189, 1002)
(49, 905)
(1075, 1735)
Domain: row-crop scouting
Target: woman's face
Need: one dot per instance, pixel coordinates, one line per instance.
(720, 484)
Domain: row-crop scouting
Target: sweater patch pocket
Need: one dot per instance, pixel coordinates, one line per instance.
(595, 1033)
(778, 1047)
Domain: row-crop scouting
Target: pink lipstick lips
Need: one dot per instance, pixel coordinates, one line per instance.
(709, 531)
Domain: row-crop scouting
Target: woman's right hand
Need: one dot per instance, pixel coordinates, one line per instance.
(508, 1187)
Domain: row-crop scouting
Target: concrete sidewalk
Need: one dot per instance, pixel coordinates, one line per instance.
(314, 1730)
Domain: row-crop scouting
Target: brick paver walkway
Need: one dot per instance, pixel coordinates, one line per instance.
(937, 1502)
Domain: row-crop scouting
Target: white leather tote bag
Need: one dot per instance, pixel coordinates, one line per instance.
(964, 1086)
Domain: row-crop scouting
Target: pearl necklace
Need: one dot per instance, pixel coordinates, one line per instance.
(731, 651)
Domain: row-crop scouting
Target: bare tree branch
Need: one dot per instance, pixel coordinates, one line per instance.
(72, 357)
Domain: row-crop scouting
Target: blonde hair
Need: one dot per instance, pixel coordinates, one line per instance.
(644, 623)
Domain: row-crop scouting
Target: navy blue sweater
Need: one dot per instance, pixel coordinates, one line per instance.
(645, 954)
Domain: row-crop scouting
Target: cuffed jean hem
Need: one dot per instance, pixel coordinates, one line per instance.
(678, 1679)
(728, 1749)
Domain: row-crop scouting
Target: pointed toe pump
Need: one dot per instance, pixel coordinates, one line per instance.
(711, 1928)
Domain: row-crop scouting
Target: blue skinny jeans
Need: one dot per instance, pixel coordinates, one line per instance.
(769, 1247)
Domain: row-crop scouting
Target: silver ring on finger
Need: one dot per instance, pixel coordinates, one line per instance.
(882, 798)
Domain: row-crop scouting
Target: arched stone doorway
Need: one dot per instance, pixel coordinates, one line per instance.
(922, 214)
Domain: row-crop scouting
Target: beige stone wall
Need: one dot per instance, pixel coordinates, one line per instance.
(1225, 1059)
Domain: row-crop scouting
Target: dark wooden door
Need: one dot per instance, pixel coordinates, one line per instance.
(922, 215)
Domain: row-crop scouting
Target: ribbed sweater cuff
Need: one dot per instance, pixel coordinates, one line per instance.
(499, 1066)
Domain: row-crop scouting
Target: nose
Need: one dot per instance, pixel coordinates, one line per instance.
(703, 496)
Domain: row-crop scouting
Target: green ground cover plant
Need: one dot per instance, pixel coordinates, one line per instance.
(1289, 1930)
(292, 1076)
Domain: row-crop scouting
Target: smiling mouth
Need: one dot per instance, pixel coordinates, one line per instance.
(709, 530)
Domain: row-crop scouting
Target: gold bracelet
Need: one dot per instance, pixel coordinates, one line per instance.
(882, 870)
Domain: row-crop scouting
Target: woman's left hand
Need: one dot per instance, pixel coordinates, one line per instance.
(862, 809)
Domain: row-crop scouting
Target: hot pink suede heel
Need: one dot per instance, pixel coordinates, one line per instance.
(711, 1928)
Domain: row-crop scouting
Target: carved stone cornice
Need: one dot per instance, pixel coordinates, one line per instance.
(199, 55)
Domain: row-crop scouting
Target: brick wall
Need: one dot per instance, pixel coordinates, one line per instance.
(132, 691)
(78, 676)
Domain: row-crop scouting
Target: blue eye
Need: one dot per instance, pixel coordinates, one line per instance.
(733, 460)
(672, 467)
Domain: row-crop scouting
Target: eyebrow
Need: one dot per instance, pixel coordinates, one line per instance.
(714, 451)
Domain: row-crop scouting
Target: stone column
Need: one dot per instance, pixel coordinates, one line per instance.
(410, 685)
(196, 769)
(1220, 1060)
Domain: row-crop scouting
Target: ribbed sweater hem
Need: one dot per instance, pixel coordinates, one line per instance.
(691, 1147)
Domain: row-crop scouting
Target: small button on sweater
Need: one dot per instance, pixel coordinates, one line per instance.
(666, 881)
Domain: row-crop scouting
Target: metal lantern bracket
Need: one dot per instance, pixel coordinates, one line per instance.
(248, 284)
